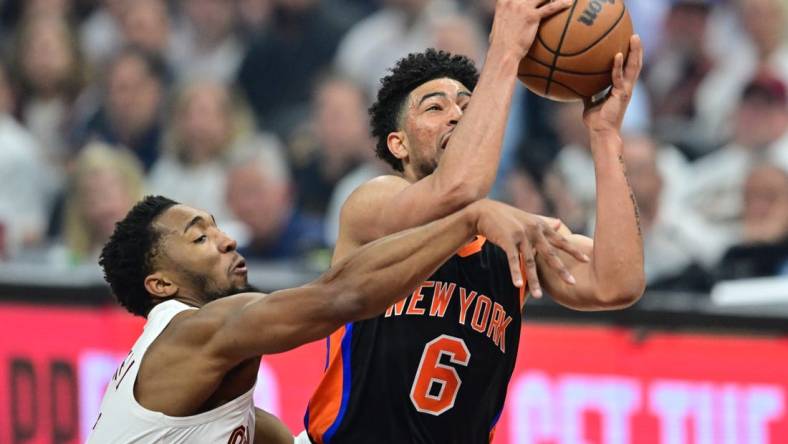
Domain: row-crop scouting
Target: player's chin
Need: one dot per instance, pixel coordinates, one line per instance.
(242, 279)
(239, 279)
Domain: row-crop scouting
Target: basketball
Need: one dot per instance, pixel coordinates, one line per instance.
(572, 55)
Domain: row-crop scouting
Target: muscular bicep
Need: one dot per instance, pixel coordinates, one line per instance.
(276, 322)
(390, 204)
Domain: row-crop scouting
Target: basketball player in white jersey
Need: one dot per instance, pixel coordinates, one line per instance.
(189, 378)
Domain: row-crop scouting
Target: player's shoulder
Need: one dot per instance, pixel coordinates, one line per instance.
(196, 326)
(373, 193)
(359, 218)
(387, 183)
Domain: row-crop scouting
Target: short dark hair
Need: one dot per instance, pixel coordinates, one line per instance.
(127, 258)
(410, 72)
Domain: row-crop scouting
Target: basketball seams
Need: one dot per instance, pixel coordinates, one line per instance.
(564, 70)
(548, 70)
(556, 82)
(558, 49)
(540, 40)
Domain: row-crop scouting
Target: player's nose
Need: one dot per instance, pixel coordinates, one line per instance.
(455, 114)
(227, 244)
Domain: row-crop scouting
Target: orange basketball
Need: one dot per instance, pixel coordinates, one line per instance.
(572, 55)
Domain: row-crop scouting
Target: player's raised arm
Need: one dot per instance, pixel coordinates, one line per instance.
(432, 107)
(614, 277)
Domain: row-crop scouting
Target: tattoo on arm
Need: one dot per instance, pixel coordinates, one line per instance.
(631, 196)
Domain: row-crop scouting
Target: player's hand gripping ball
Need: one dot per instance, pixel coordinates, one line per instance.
(572, 55)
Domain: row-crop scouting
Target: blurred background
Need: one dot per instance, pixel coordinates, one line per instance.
(256, 110)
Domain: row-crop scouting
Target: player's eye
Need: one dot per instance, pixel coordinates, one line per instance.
(201, 239)
(434, 108)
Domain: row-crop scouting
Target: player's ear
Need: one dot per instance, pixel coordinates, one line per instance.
(397, 142)
(160, 286)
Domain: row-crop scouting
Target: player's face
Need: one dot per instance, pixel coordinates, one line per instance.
(199, 257)
(433, 111)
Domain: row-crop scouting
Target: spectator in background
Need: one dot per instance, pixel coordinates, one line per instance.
(677, 69)
(760, 133)
(131, 110)
(100, 34)
(27, 185)
(207, 125)
(378, 41)
(571, 176)
(50, 73)
(259, 192)
(54, 8)
(205, 44)
(146, 25)
(762, 47)
(763, 250)
(106, 182)
(13, 12)
(459, 34)
(254, 17)
(521, 190)
(677, 254)
(299, 44)
(338, 142)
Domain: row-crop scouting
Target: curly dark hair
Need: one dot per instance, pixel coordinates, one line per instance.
(410, 72)
(127, 258)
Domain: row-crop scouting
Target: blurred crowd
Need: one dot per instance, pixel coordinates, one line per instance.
(256, 110)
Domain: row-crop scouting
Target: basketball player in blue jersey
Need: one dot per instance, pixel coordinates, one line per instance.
(189, 377)
(434, 368)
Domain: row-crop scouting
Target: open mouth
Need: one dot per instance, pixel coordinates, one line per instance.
(445, 140)
(239, 267)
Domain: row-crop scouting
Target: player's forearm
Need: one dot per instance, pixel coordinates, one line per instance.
(467, 168)
(617, 257)
(382, 272)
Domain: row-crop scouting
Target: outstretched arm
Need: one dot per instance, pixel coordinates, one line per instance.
(362, 285)
(228, 331)
(614, 277)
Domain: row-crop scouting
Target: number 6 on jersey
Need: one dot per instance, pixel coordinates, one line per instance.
(431, 371)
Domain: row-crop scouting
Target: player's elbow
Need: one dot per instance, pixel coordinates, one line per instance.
(458, 194)
(622, 294)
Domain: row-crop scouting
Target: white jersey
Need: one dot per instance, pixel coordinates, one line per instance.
(121, 419)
